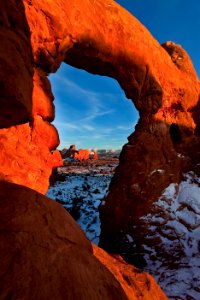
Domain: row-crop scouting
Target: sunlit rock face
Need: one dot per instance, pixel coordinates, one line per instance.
(27, 155)
(25, 99)
(82, 154)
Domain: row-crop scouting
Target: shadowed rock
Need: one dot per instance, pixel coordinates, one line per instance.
(45, 255)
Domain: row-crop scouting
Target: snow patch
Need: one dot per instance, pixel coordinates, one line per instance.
(129, 238)
(82, 192)
(171, 245)
(157, 171)
(174, 226)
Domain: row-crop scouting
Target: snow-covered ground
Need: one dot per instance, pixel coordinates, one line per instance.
(82, 192)
(171, 247)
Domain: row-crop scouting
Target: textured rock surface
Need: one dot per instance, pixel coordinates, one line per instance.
(163, 146)
(136, 283)
(25, 155)
(26, 150)
(45, 255)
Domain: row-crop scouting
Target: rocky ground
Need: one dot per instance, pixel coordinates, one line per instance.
(172, 248)
(172, 245)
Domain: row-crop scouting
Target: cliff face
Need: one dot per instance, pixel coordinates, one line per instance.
(102, 38)
(26, 97)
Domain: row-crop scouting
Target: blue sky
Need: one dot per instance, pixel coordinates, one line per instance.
(92, 111)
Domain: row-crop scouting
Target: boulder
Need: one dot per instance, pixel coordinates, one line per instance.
(45, 255)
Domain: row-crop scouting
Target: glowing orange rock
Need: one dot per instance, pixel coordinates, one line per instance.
(95, 156)
(82, 154)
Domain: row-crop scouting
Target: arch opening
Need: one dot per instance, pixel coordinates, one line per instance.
(92, 112)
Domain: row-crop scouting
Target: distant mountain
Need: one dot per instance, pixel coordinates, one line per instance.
(108, 153)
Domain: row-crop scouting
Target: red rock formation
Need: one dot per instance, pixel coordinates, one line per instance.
(45, 255)
(42, 96)
(25, 155)
(26, 150)
(85, 154)
(163, 90)
(162, 149)
(95, 156)
(82, 154)
(102, 38)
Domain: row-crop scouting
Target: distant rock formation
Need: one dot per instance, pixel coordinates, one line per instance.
(94, 154)
(80, 154)
(102, 38)
(85, 154)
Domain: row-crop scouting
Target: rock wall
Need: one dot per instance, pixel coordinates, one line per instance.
(27, 155)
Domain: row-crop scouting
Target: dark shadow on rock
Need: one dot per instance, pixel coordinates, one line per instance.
(44, 253)
(16, 65)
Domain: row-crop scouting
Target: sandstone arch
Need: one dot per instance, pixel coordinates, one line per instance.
(102, 38)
